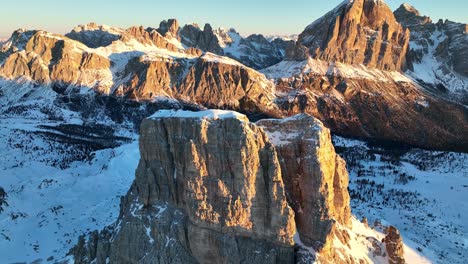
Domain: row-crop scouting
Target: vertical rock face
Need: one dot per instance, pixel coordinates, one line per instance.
(315, 177)
(208, 184)
(223, 172)
(211, 187)
(358, 32)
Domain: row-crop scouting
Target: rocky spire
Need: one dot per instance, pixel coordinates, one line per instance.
(394, 246)
(169, 27)
(192, 36)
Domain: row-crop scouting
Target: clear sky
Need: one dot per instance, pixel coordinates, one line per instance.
(247, 16)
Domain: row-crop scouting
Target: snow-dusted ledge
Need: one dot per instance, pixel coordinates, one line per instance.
(212, 114)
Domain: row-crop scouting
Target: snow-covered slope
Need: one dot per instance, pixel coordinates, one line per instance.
(431, 70)
(287, 68)
(437, 56)
(422, 193)
(63, 173)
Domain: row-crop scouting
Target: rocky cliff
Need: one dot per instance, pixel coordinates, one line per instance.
(315, 177)
(357, 32)
(394, 246)
(210, 80)
(142, 64)
(211, 187)
(208, 189)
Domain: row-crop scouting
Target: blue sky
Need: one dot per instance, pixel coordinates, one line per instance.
(247, 16)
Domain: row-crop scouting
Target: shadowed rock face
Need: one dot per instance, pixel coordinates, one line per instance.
(169, 28)
(357, 32)
(395, 111)
(94, 36)
(193, 36)
(409, 17)
(451, 40)
(213, 188)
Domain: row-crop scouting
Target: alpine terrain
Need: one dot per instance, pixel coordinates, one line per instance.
(344, 143)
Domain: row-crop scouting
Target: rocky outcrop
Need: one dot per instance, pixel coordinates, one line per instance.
(210, 80)
(315, 177)
(148, 37)
(358, 32)
(409, 17)
(394, 246)
(192, 36)
(208, 189)
(169, 28)
(211, 187)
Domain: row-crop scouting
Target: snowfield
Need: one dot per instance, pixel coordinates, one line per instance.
(49, 205)
(422, 193)
(63, 173)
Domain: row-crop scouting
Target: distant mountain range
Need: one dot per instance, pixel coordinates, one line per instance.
(357, 68)
(239, 142)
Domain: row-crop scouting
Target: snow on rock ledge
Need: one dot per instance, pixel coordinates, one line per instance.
(207, 114)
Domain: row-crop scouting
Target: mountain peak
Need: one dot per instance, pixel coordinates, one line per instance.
(357, 32)
(170, 26)
(409, 16)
